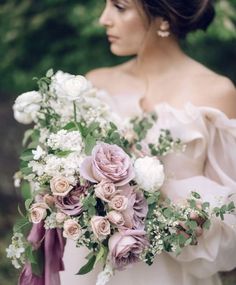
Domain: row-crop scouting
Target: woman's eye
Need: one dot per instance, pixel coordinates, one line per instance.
(119, 7)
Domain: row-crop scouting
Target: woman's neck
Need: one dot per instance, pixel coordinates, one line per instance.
(159, 56)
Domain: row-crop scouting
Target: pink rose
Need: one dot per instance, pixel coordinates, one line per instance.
(100, 226)
(116, 218)
(60, 186)
(119, 203)
(125, 247)
(60, 217)
(108, 162)
(38, 212)
(72, 229)
(105, 190)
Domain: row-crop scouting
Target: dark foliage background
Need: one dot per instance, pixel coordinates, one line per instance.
(61, 34)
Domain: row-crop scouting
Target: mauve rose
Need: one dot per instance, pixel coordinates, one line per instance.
(119, 203)
(71, 203)
(105, 190)
(72, 229)
(100, 226)
(60, 186)
(116, 218)
(137, 208)
(125, 247)
(108, 162)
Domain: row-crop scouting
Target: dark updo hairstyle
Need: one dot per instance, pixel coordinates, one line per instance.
(184, 16)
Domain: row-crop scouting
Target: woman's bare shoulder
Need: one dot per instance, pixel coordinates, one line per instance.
(106, 77)
(214, 90)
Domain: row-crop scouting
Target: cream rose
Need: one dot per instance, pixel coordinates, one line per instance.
(60, 186)
(116, 218)
(38, 212)
(119, 203)
(105, 190)
(72, 229)
(60, 217)
(149, 173)
(100, 226)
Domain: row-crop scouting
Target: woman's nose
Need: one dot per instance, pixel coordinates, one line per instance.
(105, 18)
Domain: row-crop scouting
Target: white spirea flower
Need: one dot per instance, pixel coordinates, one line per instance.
(65, 140)
(38, 153)
(26, 107)
(149, 173)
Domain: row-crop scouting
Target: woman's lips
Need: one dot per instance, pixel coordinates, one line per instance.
(112, 38)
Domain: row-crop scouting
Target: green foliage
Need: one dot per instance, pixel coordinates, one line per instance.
(60, 34)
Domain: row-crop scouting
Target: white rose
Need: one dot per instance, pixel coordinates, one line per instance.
(149, 173)
(75, 86)
(68, 86)
(60, 186)
(100, 226)
(26, 107)
(38, 212)
(72, 229)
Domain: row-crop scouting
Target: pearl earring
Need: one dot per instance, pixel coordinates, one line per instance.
(164, 30)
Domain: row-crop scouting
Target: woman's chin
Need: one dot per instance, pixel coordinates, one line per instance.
(120, 52)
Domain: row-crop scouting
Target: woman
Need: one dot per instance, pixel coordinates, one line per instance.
(192, 101)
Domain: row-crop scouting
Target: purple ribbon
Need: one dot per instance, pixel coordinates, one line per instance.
(52, 243)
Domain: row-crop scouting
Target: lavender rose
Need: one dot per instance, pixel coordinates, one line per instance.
(125, 247)
(108, 162)
(137, 208)
(71, 203)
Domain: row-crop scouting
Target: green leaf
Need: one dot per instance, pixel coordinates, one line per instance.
(231, 207)
(88, 266)
(196, 195)
(49, 73)
(26, 170)
(89, 144)
(151, 200)
(100, 254)
(206, 225)
(25, 190)
(27, 155)
(62, 153)
(191, 224)
(21, 224)
(205, 205)
(28, 203)
(27, 136)
(168, 213)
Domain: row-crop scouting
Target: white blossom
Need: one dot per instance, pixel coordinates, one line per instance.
(152, 179)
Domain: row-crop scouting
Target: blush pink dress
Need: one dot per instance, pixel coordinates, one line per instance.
(208, 166)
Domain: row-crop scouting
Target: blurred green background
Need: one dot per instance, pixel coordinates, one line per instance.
(61, 34)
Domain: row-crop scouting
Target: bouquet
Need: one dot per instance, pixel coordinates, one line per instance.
(87, 175)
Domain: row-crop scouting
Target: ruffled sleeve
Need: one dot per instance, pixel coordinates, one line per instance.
(216, 250)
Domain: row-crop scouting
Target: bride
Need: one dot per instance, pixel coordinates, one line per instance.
(192, 101)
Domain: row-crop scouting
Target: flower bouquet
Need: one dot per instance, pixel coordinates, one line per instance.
(88, 176)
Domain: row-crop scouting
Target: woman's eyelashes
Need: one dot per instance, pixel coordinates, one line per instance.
(119, 6)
